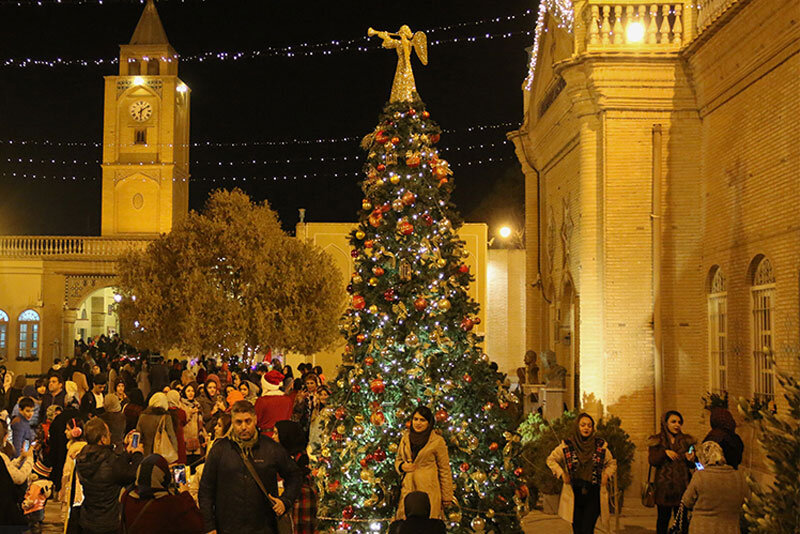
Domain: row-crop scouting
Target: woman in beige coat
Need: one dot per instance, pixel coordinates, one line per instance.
(716, 493)
(585, 464)
(423, 462)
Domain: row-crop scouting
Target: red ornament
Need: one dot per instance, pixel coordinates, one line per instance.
(466, 324)
(354, 253)
(334, 485)
(379, 455)
(360, 338)
(464, 467)
(441, 415)
(477, 320)
(369, 360)
(493, 446)
(380, 137)
(386, 207)
(348, 512)
(518, 471)
(420, 304)
(463, 269)
(488, 406)
(335, 436)
(409, 198)
(339, 413)
(425, 114)
(406, 228)
(389, 295)
(412, 112)
(377, 418)
(435, 138)
(359, 302)
(503, 405)
(442, 182)
(380, 167)
(356, 388)
(369, 243)
(427, 219)
(377, 386)
(440, 171)
(395, 140)
(467, 378)
(375, 218)
(377, 270)
(413, 161)
(363, 462)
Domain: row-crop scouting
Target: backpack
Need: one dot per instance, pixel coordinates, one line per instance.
(162, 444)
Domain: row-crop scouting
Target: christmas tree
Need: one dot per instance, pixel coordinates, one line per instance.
(411, 340)
(776, 509)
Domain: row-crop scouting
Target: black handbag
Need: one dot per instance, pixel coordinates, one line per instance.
(681, 524)
(649, 490)
(284, 521)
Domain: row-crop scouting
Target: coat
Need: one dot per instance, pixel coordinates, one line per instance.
(148, 425)
(270, 409)
(103, 474)
(231, 501)
(566, 503)
(672, 477)
(433, 475)
(170, 514)
(715, 495)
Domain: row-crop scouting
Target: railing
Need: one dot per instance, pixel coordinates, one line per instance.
(621, 25)
(708, 10)
(39, 246)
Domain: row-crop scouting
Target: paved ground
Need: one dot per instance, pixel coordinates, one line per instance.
(534, 523)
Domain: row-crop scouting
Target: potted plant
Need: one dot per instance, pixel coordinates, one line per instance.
(622, 448)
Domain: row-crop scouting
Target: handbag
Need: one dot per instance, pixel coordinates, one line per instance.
(649, 490)
(285, 524)
(162, 444)
(681, 524)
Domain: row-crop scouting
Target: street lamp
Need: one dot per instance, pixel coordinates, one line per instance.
(635, 32)
(505, 232)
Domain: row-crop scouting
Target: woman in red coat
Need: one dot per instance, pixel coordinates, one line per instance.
(153, 506)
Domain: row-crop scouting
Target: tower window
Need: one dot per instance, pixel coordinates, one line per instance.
(140, 136)
(717, 331)
(152, 67)
(763, 299)
(28, 335)
(134, 67)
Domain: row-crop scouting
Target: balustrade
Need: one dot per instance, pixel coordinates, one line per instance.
(41, 246)
(623, 25)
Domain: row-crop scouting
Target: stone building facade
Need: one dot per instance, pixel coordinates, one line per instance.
(659, 145)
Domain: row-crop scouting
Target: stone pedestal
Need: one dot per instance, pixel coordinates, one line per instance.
(553, 402)
(529, 405)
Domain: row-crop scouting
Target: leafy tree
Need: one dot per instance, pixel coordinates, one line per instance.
(229, 280)
(775, 509)
(410, 341)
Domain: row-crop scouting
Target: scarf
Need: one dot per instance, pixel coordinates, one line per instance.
(245, 445)
(152, 478)
(581, 451)
(418, 440)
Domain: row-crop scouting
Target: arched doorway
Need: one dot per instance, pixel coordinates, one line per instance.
(97, 315)
(567, 342)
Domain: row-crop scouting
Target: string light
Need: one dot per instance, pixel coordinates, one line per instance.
(564, 15)
(360, 44)
(266, 142)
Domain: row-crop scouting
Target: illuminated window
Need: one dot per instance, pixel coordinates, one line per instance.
(3, 334)
(763, 295)
(140, 136)
(134, 67)
(718, 330)
(28, 335)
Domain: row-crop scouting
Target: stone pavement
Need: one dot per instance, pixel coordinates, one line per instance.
(538, 522)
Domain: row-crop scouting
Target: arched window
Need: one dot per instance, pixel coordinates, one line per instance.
(28, 335)
(718, 329)
(763, 302)
(3, 335)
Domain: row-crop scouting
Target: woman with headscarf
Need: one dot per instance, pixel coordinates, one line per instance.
(304, 511)
(671, 456)
(210, 400)
(71, 489)
(716, 493)
(193, 430)
(585, 464)
(424, 463)
(179, 422)
(72, 397)
(248, 391)
(723, 432)
(155, 506)
(15, 392)
(156, 414)
(81, 383)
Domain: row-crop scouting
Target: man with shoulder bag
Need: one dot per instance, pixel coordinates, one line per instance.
(239, 487)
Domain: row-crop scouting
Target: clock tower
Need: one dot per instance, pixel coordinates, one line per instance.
(145, 136)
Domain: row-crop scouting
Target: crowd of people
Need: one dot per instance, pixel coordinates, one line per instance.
(147, 445)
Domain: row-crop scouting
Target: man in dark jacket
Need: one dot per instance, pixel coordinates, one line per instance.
(230, 499)
(418, 516)
(92, 401)
(55, 392)
(103, 474)
(723, 432)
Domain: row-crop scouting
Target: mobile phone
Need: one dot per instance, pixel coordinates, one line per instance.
(179, 473)
(26, 445)
(135, 439)
(699, 466)
(691, 449)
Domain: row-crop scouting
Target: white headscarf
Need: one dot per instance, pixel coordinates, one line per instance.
(159, 400)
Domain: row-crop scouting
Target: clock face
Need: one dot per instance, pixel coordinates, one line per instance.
(141, 111)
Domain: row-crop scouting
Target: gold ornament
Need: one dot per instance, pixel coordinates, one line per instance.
(395, 179)
(489, 513)
(441, 262)
(444, 305)
(373, 281)
(373, 309)
(377, 333)
(358, 430)
(404, 86)
(479, 477)
(392, 447)
(357, 279)
(367, 475)
(412, 340)
(454, 516)
(358, 418)
(360, 234)
(478, 524)
(341, 429)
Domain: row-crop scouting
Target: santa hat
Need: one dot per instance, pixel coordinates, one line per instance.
(272, 381)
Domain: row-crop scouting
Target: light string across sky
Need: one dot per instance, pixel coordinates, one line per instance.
(361, 44)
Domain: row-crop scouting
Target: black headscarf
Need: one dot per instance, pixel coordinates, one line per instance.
(418, 440)
(417, 504)
(152, 478)
(584, 448)
(293, 439)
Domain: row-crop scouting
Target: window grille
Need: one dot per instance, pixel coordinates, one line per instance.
(3, 334)
(718, 332)
(28, 335)
(763, 295)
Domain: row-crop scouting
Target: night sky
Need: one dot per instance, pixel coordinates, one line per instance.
(258, 100)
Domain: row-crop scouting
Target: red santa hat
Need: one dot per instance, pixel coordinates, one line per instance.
(272, 381)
